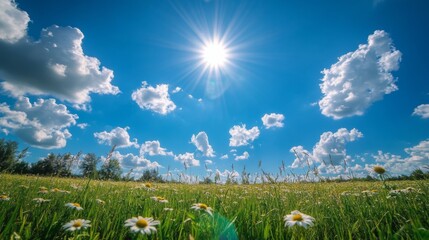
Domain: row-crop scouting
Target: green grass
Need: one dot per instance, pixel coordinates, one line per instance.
(239, 211)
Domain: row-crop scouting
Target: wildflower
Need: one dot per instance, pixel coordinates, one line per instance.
(168, 209)
(142, 225)
(379, 169)
(41, 200)
(99, 201)
(44, 191)
(59, 190)
(4, 198)
(148, 185)
(74, 205)
(159, 199)
(299, 218)
(202, 206)
(77, 225)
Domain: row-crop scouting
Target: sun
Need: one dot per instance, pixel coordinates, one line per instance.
(214, 54)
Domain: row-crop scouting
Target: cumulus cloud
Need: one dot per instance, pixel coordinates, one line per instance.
(225, 156)
(118, 136)
(419, 153)
(208, 162)
(187, 159)
(53, 65)
(131, 161)
(331, 147)
(156, 98)
(43, 124)
(153, 148)
(240, 136)
(329, 154)
(13, 21)
(242, 157)
(201, 141)
(422, 111)
(273, 120)
(360, 78)
(303, 158)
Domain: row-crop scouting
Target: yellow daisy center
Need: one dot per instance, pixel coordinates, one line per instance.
(379, 169)
(148, 185)
(297, 217)
(142, 223)
(77, 224)
(160, 198)
(76, 204)
(203, 206)
(3, 196)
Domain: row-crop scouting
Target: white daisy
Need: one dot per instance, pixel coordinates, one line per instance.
(99, 201)
(77, 225)
(203, 207)
(298, 218)
(74, 205)
(159, 199)
(4, 198)
(142, 225)
(41, 200)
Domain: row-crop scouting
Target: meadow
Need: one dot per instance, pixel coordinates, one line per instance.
(35, 208)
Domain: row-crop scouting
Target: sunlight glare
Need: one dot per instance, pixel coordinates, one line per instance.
(215, 54)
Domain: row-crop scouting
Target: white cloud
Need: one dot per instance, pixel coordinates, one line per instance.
(329, 154)
(422, 111)
(331, 146)
(42, 124)
(82, 125)
(176, 90)
(242, 157)
(118, 136)
(303, 158)
(54, 65)
(360, 78)
(153, 148)
(187, 159)
(13, 21)
(224, 157)
(201, 141)
(208, 162)
(240, 136)
(273, 120)
(156, 99)
(419, 153)
(129, 161)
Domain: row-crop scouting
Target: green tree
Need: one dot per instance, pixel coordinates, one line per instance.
(52, 164)
(111, 170)
(88, 166)
(9, 155)
(151, 176)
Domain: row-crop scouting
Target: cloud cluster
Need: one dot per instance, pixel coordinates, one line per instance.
(131, 161)
(330, 151)
(240, 136)
(422, 111)
(118, 136)
(13, 21)
(242, 157)
(155, 99)
(360, 78)
(273, 120)
(54, 65)
(153, 148)
(43, 124)
(201, 141)
(188, 159)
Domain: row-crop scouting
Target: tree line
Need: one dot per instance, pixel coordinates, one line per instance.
(65, 165)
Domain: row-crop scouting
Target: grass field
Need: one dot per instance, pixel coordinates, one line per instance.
(352, 210)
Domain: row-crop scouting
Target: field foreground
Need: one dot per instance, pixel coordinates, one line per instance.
(35, 208)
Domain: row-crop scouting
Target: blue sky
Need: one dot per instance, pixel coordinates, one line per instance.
(176, 83)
